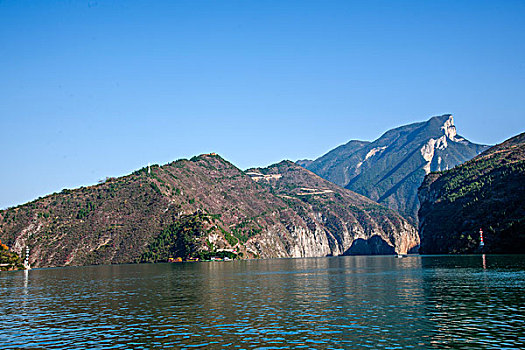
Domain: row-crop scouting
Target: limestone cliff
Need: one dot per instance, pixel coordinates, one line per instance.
(343, 221)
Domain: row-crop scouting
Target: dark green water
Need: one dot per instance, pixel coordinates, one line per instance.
(324, 303)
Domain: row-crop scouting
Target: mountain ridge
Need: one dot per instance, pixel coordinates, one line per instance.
(147, 216)
(390, 169)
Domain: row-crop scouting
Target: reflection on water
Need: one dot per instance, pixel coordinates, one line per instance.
(330, 303)
(476, 307)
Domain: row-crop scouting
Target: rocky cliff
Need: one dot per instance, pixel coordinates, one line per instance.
(182, 208)
(390, 169)
(344, 221)
(487, 192)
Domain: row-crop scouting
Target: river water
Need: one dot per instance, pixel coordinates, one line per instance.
(353, 302)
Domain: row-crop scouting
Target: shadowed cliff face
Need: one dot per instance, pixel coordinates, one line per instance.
(375, 245)
(390, 169)
(183, 207)
(487, 192)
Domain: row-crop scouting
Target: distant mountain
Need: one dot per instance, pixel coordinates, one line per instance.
(487, 192)
(304, 162)
(200, 206)
(390, 169)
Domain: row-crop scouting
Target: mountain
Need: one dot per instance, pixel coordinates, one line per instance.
(487, 192)
(390, 169)
(304, 162)
(344, 221)
(197, 207)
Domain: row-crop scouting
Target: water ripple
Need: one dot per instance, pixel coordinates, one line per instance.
(329, 303)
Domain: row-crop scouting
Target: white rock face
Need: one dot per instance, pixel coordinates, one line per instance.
(214, 238)
(21, 239)
(373, 151)
(310, 244)
(304, 242)
(258, 176)
(449, 129)
(427, 151)
(441, 143)
(370, 154)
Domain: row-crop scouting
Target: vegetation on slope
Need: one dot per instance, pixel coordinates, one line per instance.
(343, 214)
(88, 225)
(115, 221)
(184, 239)
(486, 192)
(9, 260)
(185, 208)
(179, 239)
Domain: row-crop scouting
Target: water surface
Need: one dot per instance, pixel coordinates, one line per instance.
(470, 302)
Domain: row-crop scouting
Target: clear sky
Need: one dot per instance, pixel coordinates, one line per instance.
(97, 88)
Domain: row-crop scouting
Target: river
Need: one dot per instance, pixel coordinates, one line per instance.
(353, 302)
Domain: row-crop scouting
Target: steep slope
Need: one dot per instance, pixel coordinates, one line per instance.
(347, 222)
(334, 166)
(390, 169)
(183, 208)
(487, 192)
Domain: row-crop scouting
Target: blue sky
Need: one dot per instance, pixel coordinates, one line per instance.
(91, 89)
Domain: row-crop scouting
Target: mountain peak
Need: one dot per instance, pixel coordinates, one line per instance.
(443, 117)
(207, 155)
(444, 125)
(390, 169)
(449, 128)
